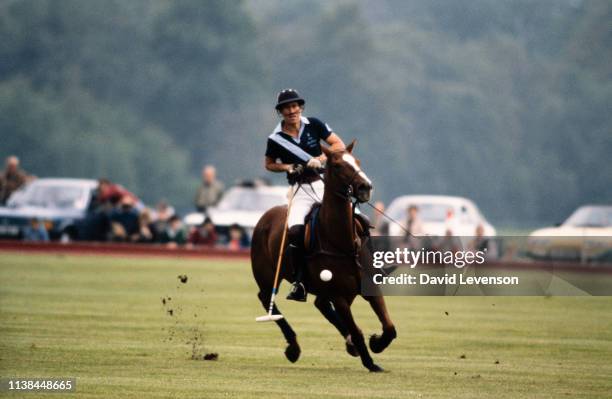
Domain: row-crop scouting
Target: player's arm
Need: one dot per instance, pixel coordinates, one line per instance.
(335, 144)
(272, 166)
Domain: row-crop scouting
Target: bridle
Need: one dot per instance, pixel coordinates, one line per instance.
(346, 191)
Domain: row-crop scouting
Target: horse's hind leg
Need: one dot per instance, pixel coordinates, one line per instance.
(292, 352)
(327, 309)
(343, 308)
(379, 343)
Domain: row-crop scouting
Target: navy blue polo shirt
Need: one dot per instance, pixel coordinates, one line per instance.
(282, 146)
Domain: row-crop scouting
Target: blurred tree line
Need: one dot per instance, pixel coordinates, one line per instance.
(507, 103)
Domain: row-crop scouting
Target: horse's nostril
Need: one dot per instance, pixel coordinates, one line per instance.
(365, 187)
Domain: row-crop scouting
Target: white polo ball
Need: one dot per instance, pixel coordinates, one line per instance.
(325, 275)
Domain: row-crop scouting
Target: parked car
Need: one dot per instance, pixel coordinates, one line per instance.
(439, 213)
(586, 236)
(60, 203)
(242, 205)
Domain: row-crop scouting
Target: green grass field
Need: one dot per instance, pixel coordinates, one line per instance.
(101, 320)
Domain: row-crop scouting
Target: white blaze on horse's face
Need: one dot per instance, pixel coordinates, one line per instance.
(362, 195)
(348, 158)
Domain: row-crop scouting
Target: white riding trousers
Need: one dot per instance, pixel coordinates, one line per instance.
(303, 199)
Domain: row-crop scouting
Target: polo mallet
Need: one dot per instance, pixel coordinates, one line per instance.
(270, 316)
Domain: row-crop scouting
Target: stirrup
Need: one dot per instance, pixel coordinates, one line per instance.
(298, 292)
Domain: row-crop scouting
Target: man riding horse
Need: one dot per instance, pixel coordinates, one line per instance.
(339, 241)
(294, 147)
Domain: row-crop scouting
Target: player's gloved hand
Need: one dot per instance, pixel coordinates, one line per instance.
(296, 170)
(294, 173)
(314, 163)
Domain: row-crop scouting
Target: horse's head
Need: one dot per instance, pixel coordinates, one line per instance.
(345, 176)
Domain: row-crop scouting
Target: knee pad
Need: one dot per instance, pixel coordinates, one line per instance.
(296, 235)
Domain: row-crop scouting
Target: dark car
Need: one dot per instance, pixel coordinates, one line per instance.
(61, 204)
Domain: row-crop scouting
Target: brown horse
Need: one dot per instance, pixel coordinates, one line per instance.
(339, 248)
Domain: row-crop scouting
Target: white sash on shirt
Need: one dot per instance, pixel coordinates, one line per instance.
(290, 146)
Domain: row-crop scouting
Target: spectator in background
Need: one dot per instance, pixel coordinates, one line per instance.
(204, 234)
(451, 222)
(211, 190)
(174, 234)
(124, 220)
(238, 239)
(12, 178)
(36, 231)
(146, 228)
(485, 244)
(381, 226)
(161, 218)
(113, 193)
(448, 243)
(413, 222)
(96, 226)
(414, 228)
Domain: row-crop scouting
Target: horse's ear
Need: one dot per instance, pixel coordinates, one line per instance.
(326, 150)
(349, 148)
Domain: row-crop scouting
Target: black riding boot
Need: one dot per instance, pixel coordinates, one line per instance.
(298, 261)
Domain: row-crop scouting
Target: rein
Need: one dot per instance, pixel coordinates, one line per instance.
(391, 219)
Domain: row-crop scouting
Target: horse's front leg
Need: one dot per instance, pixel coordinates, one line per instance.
(343, 307)
(379, 343)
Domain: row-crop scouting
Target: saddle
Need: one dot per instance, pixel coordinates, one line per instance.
(311, 221)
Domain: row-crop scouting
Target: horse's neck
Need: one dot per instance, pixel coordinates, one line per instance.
(336, 221)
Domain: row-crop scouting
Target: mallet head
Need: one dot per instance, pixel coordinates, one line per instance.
(269, 317)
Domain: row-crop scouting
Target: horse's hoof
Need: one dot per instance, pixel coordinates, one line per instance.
(351, 349)
(292, 352)
(376, 344)
(374, 368)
